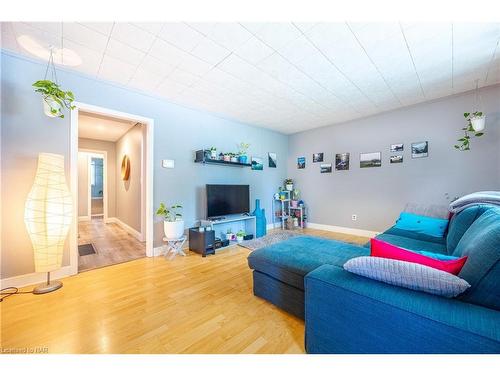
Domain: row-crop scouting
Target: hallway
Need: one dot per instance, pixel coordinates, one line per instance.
(111, 242)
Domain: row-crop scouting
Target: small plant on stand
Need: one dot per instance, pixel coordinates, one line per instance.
(234, 158)
(227, 156)
(295, 197)
(173, 225)
(229, 235)
(242, 152)
(288, 184)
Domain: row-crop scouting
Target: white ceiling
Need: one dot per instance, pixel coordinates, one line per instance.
(284, 76)
(102, 128)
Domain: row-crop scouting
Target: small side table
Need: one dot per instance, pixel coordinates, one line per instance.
(174, 246)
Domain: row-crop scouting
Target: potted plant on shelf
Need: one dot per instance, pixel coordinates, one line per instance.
(173, 225)
(53, 98)
(289, 184)
(227, 156)
(240, 235)
(229, 235)
(234, 158)
(213, 153)
(295, 198)
(242, 152)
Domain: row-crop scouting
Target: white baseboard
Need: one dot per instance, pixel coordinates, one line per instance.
(83, 218)
(126, 227)
(35, 278)
(334, 228)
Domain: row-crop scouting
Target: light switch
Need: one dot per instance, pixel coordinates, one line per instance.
(166, 163)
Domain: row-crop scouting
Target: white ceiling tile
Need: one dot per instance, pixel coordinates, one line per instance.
(156, 66)
(210, 52)
(170, 89)
(8, 38)
(151, 27)
(183, 77)
(277, 35)
(180, 35)
(53, 28)
(45, 39)
(229, 35)
(133, 36)
(91, 59)
(102, 27)
(253, 50)
(166, 52)
(194, 65)
(298, 50)
(124, 52)
(305, 26)
(144, 80)
(116, 70)
(85, 36)
(203, 27)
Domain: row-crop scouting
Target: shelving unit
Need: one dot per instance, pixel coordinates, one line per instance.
(202, 157)
(286, 211)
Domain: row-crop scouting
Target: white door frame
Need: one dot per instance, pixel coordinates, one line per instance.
(146, 187)
(103, 155)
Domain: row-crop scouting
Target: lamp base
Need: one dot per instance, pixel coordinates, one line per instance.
(47, 287)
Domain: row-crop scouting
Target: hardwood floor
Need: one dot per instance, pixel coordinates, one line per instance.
(153, 305)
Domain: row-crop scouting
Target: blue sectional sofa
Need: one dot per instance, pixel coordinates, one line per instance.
(347, 313)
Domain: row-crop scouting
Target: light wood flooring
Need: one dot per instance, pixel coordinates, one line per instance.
(153, 305)
(113, 244)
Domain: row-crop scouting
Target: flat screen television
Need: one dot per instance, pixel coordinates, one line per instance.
(227, 200)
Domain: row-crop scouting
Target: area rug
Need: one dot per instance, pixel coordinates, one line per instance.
(87, 249)
(269, 239)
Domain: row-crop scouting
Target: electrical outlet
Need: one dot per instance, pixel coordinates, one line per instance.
(354, 217)
(166, 163)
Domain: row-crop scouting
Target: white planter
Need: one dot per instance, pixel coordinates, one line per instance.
(289, 187)
(173, 229)
(213, 154)
(49, 104)
(234, 159)
(239, 239)
(478, 123)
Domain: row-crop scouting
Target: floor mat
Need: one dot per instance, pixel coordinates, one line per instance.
(87, 249)
(270, 239)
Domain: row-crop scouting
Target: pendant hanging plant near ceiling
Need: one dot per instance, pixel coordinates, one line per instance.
(475, 124)
(53, 98)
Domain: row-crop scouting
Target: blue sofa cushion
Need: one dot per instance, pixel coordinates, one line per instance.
(415, 235)
(481, 244)
(461, 222)
(289, 261)
(429, 226)
(412, 243)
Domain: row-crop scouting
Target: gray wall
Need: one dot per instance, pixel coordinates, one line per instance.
(110, 148)
(179, 131)
(377, 195)
(128, 193)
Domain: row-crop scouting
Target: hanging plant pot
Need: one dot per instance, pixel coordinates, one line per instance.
(51, 108)
(478, 123)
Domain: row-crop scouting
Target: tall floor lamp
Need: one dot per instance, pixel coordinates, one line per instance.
(47, 215)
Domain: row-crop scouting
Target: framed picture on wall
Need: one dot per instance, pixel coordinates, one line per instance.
(397, 147)
(420, 150)
(325, 168)
(301, 162)
(318, 158)
(342, 161)
(370, 160)
(271, 158)
(395, 159)
(257, 163)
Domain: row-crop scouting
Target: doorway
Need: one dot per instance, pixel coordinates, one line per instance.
(113, 223)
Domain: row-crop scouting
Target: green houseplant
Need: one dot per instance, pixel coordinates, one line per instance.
(54, 99)
(288, 184)
(242, 152)
(213, 152)
(464, 144)
(173, 225)
(240, 235)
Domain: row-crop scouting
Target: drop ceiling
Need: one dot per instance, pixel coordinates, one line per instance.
(288, 77)
(102, 128)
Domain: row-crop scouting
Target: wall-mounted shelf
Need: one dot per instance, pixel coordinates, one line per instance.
(203, 158)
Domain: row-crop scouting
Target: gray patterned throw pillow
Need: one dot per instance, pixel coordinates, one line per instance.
(408, 275)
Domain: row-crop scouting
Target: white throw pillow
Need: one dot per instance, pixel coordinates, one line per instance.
(408, 275)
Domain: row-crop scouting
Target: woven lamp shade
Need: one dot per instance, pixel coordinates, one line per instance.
(48, 212)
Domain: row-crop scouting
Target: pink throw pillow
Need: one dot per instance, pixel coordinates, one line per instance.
(383, 249)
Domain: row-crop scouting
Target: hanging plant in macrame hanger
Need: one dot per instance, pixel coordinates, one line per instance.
(54, 99)
(475, 124)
